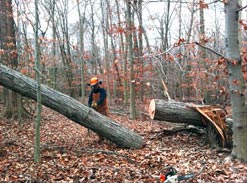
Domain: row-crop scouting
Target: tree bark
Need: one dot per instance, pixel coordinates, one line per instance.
(176, 112)
(9, 56)
(71, 108)
(131, 61)
(82, 24)
(105, 30)
(38, 80)
(236, 80)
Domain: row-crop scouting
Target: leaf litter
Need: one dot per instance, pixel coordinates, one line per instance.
(70, 154)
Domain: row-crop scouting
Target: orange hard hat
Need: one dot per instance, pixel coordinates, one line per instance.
(94, 81)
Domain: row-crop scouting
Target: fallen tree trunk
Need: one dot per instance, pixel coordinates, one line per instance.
(211, 117)
(173, 111)
(71, 108)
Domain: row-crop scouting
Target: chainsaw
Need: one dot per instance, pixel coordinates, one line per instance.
(171, 176)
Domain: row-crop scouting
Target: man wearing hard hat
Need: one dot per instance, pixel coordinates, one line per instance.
(98, 98)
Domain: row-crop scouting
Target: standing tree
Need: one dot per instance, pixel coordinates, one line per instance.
(117, 81)
(82, 20)
(64, 44)
(8, 55)
(94, 47)
(50, 7)
(37, 68)
(203, 82)
(236, 80)
(105, 29)
(123, 55)
(131, 59)
(188, 39)
(54, 46)
(164, 26)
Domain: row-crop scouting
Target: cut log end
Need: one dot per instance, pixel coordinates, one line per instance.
(151, 109)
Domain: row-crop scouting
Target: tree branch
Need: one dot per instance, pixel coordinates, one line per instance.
(215, 52)
(240, 9)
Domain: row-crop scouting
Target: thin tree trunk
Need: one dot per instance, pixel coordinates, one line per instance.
(37, 67)
(131, 58)
(105, 27)
(93, 46)
(189, 33)
(54, 47)
(81, 55)
(123, 55)
(64, 46)
(164, 37)
(68, 52)
(180, 51)
(203, 55)
(140, 42)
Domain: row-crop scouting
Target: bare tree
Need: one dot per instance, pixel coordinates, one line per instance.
(64, 44)
(188, 39)
(82, 20)
(236, 81)
(164, 25)
(9, 56)
(131, 59)
(54, 45)
(94, 49)
(203, 55)
(123, 56)
(38, 73)
(113, 46)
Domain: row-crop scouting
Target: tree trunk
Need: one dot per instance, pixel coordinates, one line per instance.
(82, 20)
(131, 61)
(105, 30)
(9, 56)
(71, 108)
(38, 80)
(64, 46)
(236, 81)
(176, 112)
(123, 53)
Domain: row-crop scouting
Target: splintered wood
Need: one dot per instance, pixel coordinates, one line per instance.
(216, 116)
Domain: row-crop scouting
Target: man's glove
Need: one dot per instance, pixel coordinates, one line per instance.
(94, 104)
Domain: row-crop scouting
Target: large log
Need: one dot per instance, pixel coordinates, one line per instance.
(172, 111)
(211, 117)
(71, 108)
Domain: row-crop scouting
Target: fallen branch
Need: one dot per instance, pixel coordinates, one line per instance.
(189, 128)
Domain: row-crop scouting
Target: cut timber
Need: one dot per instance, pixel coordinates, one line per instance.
(177, 112)
(197, 115)
(71, 108)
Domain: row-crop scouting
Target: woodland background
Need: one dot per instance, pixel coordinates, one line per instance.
(96, 44)
(132, 46)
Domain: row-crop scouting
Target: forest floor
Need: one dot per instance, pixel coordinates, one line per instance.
(69, 154)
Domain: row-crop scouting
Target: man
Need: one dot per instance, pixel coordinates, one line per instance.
(98, 98)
